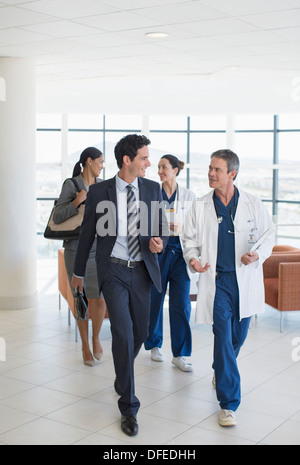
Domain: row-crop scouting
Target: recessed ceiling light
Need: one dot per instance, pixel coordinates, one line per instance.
(157, 35)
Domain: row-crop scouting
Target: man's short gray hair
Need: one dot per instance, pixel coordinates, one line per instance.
(231, 158)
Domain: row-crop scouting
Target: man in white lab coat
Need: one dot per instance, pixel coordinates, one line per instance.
(227, 236)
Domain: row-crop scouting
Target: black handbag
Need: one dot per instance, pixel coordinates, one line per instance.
(69, 229)
(81, 306)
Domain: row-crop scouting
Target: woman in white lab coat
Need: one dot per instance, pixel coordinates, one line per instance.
(228, 234)
(173, 272)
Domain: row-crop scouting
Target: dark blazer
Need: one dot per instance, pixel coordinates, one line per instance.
(101, 218)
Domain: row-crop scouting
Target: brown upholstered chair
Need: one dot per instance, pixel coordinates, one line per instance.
(282, 280)
(65, 290)
(285, 249)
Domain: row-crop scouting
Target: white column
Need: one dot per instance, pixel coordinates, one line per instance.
(18, 289)
(2, 90)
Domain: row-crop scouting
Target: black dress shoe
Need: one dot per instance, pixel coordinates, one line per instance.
(117, 388)
(129, 425)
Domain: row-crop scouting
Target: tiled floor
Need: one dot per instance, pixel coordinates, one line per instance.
(47, 396)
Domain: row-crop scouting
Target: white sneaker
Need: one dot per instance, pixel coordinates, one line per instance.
(156, 355)
(227, 418)
(182, 364)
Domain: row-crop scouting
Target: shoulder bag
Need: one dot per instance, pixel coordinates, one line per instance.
(69, 229)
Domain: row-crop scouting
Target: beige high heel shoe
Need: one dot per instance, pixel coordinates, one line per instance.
(88, 363)
(98, 355)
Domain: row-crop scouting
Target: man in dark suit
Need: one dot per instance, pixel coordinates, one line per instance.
(127, 214)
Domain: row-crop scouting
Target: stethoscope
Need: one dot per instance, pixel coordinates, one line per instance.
(232, 211)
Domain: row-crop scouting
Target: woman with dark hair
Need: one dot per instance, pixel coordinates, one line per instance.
(173, 271)
(85, 173)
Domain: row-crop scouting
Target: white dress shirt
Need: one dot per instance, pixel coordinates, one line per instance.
(120, 249)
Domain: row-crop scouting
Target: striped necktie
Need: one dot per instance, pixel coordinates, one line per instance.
(132, 224)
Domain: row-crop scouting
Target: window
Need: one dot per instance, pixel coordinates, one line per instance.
(255, 150)
(268, 147)
(208, 134)
(202, 147)
(48, 175)
(78, 141)
(288, 169)
(111, 139)
(163, 143)
(254, 122)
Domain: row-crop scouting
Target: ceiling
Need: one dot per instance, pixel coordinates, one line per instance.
(101, 46)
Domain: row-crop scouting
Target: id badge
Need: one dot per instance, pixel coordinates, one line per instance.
(171, 218)
(252, 238)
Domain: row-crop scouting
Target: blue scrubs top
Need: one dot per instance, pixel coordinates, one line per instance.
(174, 241)
(226, 239)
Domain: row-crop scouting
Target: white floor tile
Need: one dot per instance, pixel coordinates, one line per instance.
(180, 408)
(40, 401)
(11, 418)
(87, 414)
(47, 395)
(204, 437)
(153, 430)
(287, 434)
(44, 432)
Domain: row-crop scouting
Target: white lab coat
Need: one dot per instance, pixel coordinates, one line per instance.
(200, 241)
(183, 202)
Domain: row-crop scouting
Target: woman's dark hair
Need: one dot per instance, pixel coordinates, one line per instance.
(90, 152)
(129, 145)
(174, 162)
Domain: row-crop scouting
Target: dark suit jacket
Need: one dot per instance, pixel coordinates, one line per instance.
(101, 218)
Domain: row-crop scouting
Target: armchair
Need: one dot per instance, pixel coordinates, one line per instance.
(281, 279)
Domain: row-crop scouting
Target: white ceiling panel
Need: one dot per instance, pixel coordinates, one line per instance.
(250, 38)
(246, 7)
(297, 2)
(106, 39)
(121, 21)
(135, 4)
(192, 45)
(13, 16)
(182, 13)
(61, 29)
(291, 34)
(277, 20)
(281, 50)
(43, 47)
(68, 9)
(86, 40)
(14, 36)
(15, 2)
(139, 50)
(218, 27)
(81, 54)
(174, 34)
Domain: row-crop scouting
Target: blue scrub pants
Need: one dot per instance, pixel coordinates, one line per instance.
(173, 271)
(230, 334)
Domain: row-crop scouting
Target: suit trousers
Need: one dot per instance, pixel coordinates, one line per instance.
(127, 295)
(230, 334)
